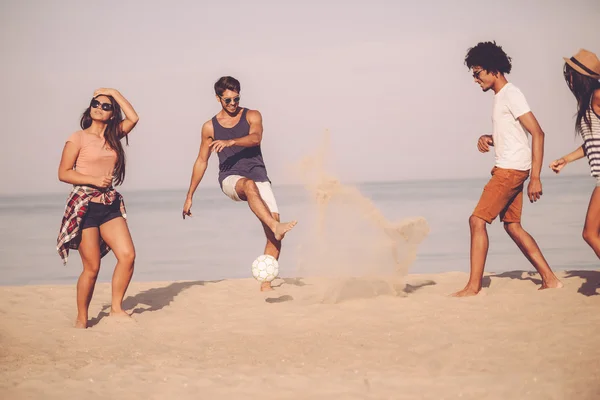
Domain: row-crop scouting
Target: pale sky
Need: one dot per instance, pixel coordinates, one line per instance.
(387, 78)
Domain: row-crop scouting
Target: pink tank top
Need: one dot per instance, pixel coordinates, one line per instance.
(95, 157)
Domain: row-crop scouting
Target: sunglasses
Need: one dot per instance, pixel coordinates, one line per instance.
(105, 106)
(228, 100)
(476, 74)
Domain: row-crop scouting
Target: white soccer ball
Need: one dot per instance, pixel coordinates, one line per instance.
(265, 268)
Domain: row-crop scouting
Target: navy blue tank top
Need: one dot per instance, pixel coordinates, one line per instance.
(236, 160)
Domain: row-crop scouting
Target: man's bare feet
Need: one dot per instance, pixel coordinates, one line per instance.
(282, 228)
(265, 287)
(466, 292)
(551, 284)
(80, 324)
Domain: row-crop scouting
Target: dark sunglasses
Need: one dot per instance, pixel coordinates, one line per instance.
(476, 74)
(105, 106)
(228, 100)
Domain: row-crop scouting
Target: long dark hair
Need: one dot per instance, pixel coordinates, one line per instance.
(112, 134)
(583, 88)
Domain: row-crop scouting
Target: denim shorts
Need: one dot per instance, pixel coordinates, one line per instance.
(98, 214)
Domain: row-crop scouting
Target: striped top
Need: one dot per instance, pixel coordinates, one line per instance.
(591, 141)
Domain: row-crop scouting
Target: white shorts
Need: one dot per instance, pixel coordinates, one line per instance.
(264, 188)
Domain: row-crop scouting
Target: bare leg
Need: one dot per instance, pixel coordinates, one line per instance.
(89, 250)
(591, 229)
(116, 234)
(533, 253)
(479, 250)
(247, 190)
(272, 248)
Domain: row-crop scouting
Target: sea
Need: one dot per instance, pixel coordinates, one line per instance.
(223, 237)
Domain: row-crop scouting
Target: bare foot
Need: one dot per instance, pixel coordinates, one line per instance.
(80, 324)
(552, 284)
(119, 313)
(265, 287)
(466, 292)
(282, 228)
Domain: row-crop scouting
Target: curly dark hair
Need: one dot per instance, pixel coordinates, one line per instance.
(490, 57)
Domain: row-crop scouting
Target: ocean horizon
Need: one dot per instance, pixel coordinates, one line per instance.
(223, 237)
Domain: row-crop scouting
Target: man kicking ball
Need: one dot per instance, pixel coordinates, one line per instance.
(235, 134)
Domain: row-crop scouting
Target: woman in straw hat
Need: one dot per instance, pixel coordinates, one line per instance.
(582, 73)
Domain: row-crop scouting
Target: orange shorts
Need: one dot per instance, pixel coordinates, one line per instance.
(503, 195)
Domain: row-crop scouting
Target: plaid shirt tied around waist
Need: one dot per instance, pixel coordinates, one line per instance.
(69, 235)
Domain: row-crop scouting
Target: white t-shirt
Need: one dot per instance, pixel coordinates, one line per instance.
(511, 143)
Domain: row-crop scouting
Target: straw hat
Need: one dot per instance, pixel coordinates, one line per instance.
(586, 63)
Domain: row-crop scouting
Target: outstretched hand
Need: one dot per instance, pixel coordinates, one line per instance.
(557, 165)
